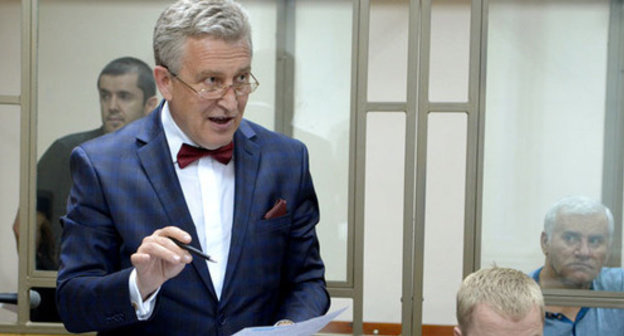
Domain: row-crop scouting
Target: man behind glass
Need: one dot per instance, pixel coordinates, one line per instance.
(576, 241)
(127, 92)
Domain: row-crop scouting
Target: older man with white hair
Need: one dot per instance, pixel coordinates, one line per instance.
(576, 242)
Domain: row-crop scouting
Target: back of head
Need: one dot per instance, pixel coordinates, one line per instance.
(576, 205)
(509, 292)
(220, 19)
(125, 65)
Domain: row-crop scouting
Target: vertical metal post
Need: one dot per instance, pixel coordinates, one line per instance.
(27, 155)
(362, 10)
(613, 158)
(412, 277)
(285, 67)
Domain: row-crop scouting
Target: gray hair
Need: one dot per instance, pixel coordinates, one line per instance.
(221, 19)
(576, 205)
(507, 291)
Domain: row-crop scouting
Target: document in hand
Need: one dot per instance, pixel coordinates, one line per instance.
(305, 328)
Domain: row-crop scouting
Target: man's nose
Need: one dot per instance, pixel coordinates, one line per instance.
(113, 103)
(583, 249)
(229, 101)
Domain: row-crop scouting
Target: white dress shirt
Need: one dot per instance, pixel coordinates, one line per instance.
(208, 188)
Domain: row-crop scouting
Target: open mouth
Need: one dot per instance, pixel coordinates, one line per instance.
(220, 120)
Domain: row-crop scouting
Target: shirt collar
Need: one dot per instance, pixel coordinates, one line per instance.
(174, 135)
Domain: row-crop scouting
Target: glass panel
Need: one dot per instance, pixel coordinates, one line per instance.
(444, 215)
(68, 84)
(10, 39)
(387, 52)
(263, 17)
(383, 216)
(322, 117)
(9, 180)
(67, 29)
(544, 128)
(450, 51)
(544, 140)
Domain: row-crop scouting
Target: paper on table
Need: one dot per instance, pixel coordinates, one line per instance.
(305, 328)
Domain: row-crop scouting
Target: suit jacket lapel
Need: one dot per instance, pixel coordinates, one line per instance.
(155, 159)
(247, 161)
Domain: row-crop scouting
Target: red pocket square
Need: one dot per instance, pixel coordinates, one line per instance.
(279, 209)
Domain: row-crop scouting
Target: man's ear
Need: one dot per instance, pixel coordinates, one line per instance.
(457, 331)
(150, 105)
(163, 81)
(544, 243)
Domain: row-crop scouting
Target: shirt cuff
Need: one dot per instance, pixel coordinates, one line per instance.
(143, 309)
(283, 322)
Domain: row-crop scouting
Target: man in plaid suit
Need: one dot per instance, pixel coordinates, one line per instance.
(196, 172)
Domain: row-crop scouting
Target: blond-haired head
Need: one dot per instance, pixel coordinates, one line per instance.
(508, 292)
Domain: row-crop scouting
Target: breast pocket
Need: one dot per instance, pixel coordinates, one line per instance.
(273, 225)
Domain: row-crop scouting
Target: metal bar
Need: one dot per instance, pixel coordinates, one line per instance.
(613, 162)
(35, 328)
(353, 201)
(10, 100)
(386, 107)
(450, 107)
(338, 284)
(581, 293)
(361, 16)
(590, 301)
(409, 305)
(474, 143)
(472, 237)
(28, 66)
(341, 292)
(48, 281)
(285, 67)
(421, 114)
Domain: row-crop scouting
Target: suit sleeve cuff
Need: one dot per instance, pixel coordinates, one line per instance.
(143, 309)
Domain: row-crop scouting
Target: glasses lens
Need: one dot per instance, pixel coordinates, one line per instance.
(243, 88)
(239, 89)
(208, 94)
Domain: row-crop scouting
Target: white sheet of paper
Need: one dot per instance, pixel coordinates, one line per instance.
(305, 328)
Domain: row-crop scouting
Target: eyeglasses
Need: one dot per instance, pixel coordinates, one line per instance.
(216, 91)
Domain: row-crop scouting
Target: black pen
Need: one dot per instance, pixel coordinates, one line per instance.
(193, 250)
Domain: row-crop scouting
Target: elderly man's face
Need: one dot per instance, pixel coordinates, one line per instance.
(577, 249)
(487, 322)
(210, 123)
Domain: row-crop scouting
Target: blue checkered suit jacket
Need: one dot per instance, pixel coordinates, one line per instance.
(125, 187)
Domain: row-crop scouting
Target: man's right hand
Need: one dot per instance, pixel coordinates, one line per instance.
(159, 259)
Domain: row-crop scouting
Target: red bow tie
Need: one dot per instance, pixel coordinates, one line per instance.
(188, 154)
